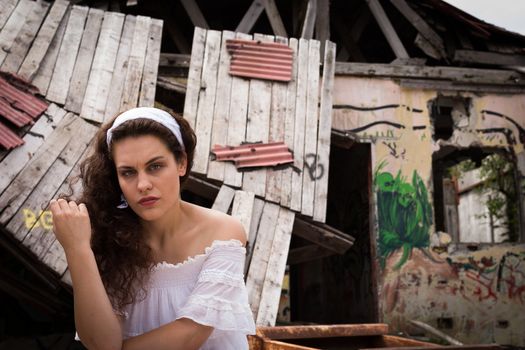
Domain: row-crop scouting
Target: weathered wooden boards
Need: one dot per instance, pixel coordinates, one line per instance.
(37, 172)
(92, 62)
(268, 261)
(87, 62)
(230, 110)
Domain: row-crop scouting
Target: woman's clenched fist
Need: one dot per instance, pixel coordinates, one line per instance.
(71, 224)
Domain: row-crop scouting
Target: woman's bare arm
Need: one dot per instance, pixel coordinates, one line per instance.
(183, 334)
(95, 320)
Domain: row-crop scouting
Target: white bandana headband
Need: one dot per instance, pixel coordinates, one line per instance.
(158, 115)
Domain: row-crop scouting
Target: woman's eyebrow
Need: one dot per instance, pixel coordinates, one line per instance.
(154, 159)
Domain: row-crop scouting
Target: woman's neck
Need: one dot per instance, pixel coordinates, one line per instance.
(168, 225)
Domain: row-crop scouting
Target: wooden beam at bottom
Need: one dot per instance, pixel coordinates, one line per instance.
(307, 253)
(323, 331)
(323, 235)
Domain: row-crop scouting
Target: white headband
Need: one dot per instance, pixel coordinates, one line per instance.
(158, 115)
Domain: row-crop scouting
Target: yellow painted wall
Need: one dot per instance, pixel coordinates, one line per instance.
(482, 292)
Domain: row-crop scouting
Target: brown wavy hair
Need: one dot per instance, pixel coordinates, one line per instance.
(123, 258)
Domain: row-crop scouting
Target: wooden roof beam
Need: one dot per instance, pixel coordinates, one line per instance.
(387, 29)
(254, 12)
(275, 19)
(322, 235)
(347, 37)
(422, 27)
(195, 14)
(357, 29)
(307, 31)
(491, 58)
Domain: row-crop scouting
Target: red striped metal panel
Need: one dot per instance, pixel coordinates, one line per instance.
(254, 154)
(261, 60)
(21, 100)
(18, 106)
(8, 139)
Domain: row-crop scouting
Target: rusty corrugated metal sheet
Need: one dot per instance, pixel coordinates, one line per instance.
(254, 154)
(261, 60)
(17, 105)
(8, 139)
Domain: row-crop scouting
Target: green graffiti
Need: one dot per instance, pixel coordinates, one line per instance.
(404, 214)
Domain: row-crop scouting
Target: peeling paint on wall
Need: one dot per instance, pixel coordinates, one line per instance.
(474, 293)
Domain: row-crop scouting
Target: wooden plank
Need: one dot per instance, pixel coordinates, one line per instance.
(221, 112)
(387, 29)
(195, 14)
(466, 75)
(194, 76)
(121, 68)
(323, 331)
(307, 31)
(427, 47)
(5, 11)
(52, 253)
(276, 134)
(46, 189)
(86, 52)
(25, 37)
(237, 121)
(322, 22)
(261, 255)
(350, 44)
(242, 209)
(250, 17)
(59, 86)
(422, 27)
(203, 124)
(224, 199)
(492, 58)
(258, 125)
(258, 205)
(15, 161)
(271, 291)
(307, 253)
(275, 19)
(299, 127)
(310, 169)
(26, 180)
(97, 91)
(45, 71)
(324, 236)
(289, 127)
(43, 40)
(151, 65)
(324, 136)
(13, 26)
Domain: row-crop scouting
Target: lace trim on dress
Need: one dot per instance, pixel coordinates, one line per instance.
(221, 276)
(190, 259)
(220, 304)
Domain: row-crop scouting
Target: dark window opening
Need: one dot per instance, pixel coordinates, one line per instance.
(476, 196)
(339, 289)
(448, 113)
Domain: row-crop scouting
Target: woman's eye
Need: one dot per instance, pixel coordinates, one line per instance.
(126, 173)
(155, 166)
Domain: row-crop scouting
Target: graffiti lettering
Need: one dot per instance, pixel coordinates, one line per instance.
(313, 166)
(41, 219)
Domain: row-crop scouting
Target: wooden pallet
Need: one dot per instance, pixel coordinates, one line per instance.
(230, 110)
(91, 64)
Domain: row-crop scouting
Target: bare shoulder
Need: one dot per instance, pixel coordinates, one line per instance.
(221, 226)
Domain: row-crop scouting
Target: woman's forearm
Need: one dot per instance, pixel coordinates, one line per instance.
(95, 320)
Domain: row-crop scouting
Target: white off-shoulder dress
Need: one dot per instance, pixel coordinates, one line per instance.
(207, 288)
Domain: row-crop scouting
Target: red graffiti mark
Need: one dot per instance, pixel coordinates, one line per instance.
(489, 293)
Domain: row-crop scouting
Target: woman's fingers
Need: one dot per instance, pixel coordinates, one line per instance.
(82, 208)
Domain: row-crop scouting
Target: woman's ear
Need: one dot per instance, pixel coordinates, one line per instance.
(182, 164)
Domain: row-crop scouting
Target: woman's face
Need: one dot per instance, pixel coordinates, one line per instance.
(148, 174)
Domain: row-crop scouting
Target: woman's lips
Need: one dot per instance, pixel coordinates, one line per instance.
(148, 201)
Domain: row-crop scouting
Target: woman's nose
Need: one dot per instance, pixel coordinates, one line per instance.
(144, 183)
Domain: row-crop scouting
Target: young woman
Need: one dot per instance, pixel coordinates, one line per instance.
(149, 270)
